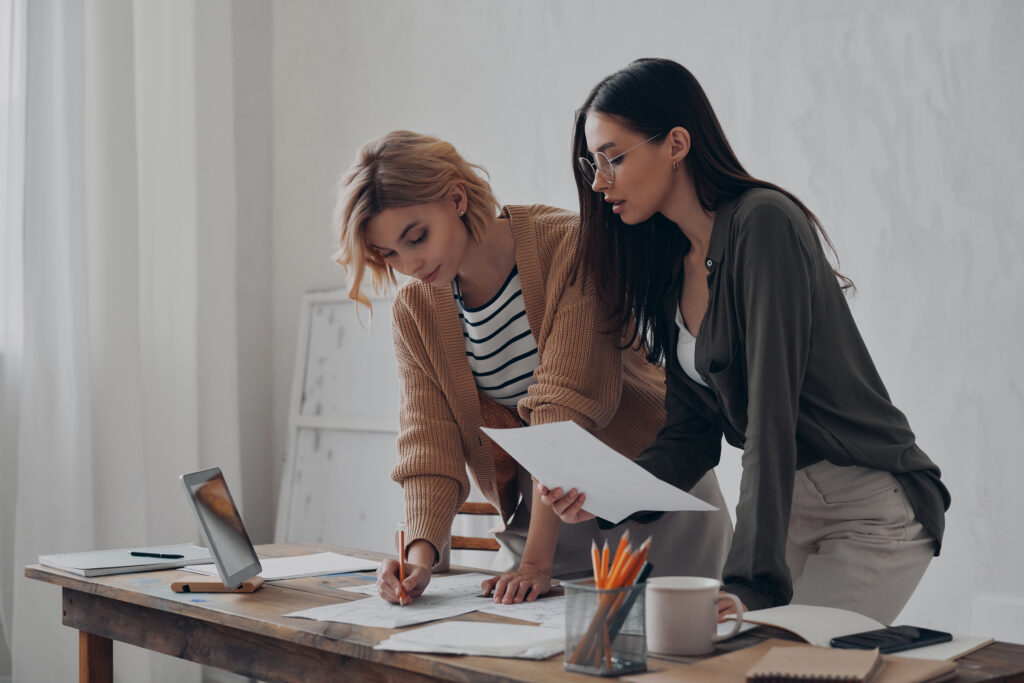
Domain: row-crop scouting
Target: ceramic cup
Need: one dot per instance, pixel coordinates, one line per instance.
(682, 615)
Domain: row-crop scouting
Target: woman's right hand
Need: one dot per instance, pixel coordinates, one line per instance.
(417, 576)
(568, 506)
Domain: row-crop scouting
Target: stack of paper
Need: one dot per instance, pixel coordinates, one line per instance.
(318, 564)
(479, 638)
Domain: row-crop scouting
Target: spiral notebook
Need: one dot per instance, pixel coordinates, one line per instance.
(797, 664)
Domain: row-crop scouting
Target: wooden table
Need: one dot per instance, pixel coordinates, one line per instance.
(246, 633)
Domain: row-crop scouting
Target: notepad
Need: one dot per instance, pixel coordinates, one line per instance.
(121, 560)
(794, 665)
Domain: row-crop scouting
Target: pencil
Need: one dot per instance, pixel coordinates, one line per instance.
(595, 556)
(401, 567)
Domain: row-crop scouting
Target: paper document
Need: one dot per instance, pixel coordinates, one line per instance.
(549, 611)
(445, 597)
(563, 454)
(318, 564)
(479, 638)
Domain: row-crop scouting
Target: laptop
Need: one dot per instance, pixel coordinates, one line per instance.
(225, 534)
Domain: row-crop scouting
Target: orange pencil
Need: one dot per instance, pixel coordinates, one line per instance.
(595, 557)
(619, 566)
(401, 567)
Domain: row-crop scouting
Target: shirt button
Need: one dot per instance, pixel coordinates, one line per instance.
(709, 263)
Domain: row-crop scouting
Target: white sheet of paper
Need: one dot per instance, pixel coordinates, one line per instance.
(379, 613)
(479, 638)
(548, 612)
(465, 589)
(563, 454)
(317, 564)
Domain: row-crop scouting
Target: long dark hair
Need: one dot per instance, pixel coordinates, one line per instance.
(634, 267)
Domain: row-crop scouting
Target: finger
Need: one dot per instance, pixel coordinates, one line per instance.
(522, 590)
(387, 592)
(542, 489)
(511, 591)
(487, 586)
(535, 592)
(574, 510)
(500, 587)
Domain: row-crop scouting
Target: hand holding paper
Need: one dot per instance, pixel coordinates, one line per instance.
(564, 455)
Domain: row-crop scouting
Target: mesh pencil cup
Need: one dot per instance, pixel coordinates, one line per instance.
(604, 629)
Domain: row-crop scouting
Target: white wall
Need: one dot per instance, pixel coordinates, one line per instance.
(897, 123)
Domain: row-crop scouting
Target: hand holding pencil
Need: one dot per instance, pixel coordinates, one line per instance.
(402, 580)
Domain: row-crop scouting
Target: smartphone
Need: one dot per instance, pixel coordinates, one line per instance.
(892, 639)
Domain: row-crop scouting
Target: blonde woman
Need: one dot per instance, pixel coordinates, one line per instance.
(490, 330)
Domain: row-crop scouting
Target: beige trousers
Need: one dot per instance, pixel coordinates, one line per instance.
(854, 541)
(684, 543)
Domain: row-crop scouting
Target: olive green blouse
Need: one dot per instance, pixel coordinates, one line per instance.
(790, 383)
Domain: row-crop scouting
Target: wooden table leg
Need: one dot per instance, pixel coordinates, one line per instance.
(95, 658)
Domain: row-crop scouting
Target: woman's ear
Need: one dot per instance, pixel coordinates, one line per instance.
(679, 144)
(459, 198)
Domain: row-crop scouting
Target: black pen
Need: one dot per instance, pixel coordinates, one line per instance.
(165, 556)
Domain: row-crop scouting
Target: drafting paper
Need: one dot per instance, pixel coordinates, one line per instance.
(564, 455)
(446, 596)
(549, 611)
(317, 564)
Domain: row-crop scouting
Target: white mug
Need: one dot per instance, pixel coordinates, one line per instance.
(682, 615)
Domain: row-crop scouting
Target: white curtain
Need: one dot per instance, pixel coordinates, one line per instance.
(127, 375)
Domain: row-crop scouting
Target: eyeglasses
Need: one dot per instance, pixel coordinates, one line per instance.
(603, 165)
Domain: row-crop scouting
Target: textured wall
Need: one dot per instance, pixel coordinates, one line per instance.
(897, 123)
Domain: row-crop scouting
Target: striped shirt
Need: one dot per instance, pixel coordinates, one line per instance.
(500, 347)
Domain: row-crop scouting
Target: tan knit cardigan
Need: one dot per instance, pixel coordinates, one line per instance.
(582, 376)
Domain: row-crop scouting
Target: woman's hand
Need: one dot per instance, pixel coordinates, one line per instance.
(526, 583)
(421, 556)
(568, 506)
(727, 607)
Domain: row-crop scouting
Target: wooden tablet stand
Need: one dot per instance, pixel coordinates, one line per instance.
(248, 586)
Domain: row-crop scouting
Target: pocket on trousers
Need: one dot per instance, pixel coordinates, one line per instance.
(844, 485)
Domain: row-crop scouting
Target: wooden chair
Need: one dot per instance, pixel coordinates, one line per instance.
(475, 542)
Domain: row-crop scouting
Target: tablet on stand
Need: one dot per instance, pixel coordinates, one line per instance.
(225, 535)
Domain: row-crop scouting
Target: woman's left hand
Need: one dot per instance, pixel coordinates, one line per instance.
(526, 583)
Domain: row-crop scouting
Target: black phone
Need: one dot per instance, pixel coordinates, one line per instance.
(892, 639)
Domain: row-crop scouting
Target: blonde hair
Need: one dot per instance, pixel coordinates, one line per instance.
(401, 169)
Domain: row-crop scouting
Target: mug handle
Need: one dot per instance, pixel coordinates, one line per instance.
(739, 617)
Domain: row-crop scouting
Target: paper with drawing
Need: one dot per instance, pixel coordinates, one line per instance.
(445, 597)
